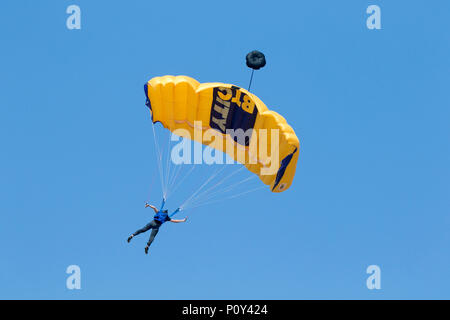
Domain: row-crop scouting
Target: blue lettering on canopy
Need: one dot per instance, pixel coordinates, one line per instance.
(229, 114)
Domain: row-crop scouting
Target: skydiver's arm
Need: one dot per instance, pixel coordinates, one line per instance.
(178, 221)
(151, 206)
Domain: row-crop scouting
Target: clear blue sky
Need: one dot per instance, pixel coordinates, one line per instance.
(370, 107)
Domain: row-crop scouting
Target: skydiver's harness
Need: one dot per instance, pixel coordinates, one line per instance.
(161, 216)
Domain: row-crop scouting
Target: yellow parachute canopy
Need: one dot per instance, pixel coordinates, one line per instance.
(239, 124)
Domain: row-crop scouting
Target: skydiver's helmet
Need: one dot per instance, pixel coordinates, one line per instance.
(165, 211)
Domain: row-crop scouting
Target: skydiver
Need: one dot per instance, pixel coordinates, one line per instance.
(160, 217)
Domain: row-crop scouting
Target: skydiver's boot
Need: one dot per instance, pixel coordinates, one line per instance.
(130, 237)
(146, 250)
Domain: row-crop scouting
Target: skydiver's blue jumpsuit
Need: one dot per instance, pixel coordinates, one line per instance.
(158, 220)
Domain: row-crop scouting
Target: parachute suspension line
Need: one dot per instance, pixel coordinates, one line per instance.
(238, 183)
(248, 191)
(181, 181)
(222, 191)
(227, 198)
(158, 157)
(212, 195)
(151, 184)
(209, 190)
(251, 78)
(202, 186)
(177, 169)
(168, 165)
(174, 177)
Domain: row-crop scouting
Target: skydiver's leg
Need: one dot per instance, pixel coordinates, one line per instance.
(152, 237)
(142, 230)
(147, 227)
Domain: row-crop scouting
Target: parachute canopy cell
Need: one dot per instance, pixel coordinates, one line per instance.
(181, 102)
(255, 60)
